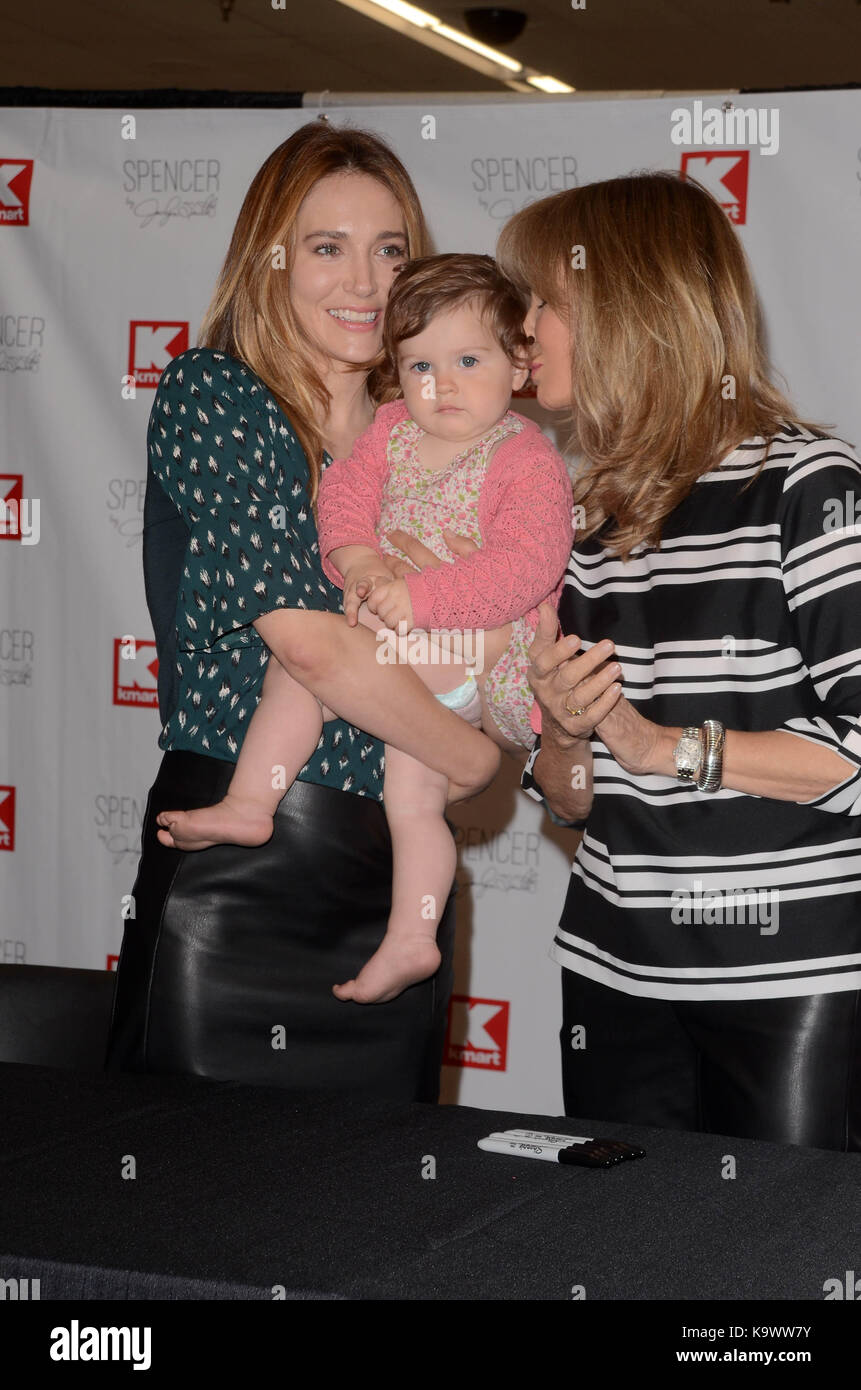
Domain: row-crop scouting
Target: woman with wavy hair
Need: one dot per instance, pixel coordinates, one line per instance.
(700, 712)
(228, 960)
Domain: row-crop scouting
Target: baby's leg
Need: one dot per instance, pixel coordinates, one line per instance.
(424, 860)
(284, 731)
(339, 665)
(423, 855)
(496, 643)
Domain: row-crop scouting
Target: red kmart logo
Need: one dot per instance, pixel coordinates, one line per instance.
(135, 672)
(724, 173)
(16, 175)
(152, 344)
(7, 818)
(477, 1033)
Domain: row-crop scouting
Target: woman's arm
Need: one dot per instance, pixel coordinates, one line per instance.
(775, 764)
(212, 447)
(339, 665)
(781, 765)
(562, 681)
(561, 774)
(813, 760)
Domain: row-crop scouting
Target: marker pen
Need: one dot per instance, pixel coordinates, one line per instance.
(523, 1148)
(586, 1153)
(542, 1137)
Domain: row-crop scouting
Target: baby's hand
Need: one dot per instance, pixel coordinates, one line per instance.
(391, 603)
(359, 583)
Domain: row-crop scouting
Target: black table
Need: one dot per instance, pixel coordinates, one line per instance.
(241, 1189)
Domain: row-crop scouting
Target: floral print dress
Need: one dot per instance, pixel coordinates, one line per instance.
(425, 502)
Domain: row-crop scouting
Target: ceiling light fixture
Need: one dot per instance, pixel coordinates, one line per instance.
(428, 29)
(548, 84)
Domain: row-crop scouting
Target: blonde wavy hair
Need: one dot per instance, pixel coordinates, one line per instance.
(250, 315)
(668, 369)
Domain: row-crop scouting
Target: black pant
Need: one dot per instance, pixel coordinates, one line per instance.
(227, 966)
(784, 1070)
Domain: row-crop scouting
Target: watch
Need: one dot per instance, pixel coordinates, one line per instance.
(688, 754)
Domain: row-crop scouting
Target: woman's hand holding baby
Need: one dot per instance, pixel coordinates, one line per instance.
(422, 555)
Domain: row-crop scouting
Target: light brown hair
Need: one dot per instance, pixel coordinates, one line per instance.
(664, 327)
(432, 285)
(250, 315)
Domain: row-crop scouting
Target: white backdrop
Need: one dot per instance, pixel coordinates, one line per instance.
(93, 240)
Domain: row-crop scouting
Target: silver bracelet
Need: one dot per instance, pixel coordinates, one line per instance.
(711, 771)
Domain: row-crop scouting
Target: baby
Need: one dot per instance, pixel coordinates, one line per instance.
(452, 456)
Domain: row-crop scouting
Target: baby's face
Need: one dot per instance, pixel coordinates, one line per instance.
(456, 379)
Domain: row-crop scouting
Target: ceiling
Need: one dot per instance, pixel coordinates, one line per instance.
(609, 46)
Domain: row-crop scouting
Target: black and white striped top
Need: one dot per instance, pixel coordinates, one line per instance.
(749, 612)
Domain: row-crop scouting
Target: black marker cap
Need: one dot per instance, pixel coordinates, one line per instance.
(624, 1150)
(585, 1156)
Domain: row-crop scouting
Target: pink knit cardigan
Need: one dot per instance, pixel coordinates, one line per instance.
(524, 515)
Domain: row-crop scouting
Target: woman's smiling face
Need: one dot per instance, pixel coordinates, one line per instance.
(351, 238)
(550, 355)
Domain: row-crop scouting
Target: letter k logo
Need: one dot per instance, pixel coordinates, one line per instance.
(15, 178)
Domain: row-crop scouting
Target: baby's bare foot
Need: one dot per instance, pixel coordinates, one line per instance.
(226, 823)
(398, 962)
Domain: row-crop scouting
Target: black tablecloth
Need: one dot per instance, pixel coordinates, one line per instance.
(238, 1190)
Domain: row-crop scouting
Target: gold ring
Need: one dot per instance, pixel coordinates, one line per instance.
(581, 709)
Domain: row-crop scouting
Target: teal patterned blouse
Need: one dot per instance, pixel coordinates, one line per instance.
(226, 455)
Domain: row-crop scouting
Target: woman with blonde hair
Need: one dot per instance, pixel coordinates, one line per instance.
(228, 960)
(700, 712)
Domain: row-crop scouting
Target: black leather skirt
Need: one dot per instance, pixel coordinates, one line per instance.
(226, 969)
